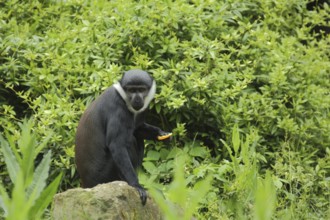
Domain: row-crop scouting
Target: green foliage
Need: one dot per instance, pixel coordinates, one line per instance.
(29, 196)
(251, 192)
(244, 193)
(182, 200)
(265, 198)
(255, 66)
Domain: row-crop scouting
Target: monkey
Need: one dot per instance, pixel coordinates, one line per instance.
(110, 135)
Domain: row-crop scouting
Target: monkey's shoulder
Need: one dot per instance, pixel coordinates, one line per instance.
(109, 98)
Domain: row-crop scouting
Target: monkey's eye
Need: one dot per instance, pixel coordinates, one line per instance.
(136, 90)
(131, 90)
(141, 90)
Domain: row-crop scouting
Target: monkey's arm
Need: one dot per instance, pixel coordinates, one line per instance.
(150, 132)
(117, 145)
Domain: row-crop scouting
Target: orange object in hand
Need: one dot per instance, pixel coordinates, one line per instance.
(163, 137)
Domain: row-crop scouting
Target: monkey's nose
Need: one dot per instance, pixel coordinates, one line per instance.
(137, 104)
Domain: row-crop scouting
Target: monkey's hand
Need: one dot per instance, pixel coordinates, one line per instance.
(142, 192)
(163, 135)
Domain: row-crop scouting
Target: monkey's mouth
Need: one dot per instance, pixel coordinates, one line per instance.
(137, 105)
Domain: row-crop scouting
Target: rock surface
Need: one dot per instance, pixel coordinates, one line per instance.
(115, 200)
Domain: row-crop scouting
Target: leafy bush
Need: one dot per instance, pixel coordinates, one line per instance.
(257, 64)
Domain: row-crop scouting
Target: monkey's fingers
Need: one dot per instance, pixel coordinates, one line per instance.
(164, 137)
(143, 195)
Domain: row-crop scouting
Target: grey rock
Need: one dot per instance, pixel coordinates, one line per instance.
(115, 200)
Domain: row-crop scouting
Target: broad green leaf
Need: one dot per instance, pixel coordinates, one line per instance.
(198, 151)
(18, 200)
(153, 155)
(26, 144)
(39, 178)
(11, 141)
(150, 167)
(45, 198)
(265, 198)
(10, 160)
(174, 152)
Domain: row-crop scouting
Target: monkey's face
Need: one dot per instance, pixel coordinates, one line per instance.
(136, 95)
(137, 88)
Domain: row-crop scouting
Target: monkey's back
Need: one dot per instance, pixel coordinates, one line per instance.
(91, 155)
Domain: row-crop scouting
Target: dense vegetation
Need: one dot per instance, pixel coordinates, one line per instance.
(244, 85)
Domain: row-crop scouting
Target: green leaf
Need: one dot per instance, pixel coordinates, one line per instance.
(150, 167)
(4, 200)
(11, 141)
(27, 144)
(236, 139)
(265, 198)
(18, 200)
(228, 148)
(10, 160)
(39, 178)
(158, 108)
(153, 155)
(174, 152)
(45, 198)
(164, 153)
(199, 191)
(198, 152)
(43, 144)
